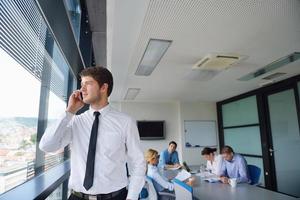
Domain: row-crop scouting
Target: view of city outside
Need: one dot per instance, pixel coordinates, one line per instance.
(18, 121)
(56, 194)
(19, 104)
(32, 65)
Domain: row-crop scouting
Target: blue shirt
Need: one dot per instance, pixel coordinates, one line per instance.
(236, 168)
(166, 158)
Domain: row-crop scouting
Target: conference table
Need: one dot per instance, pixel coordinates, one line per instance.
(203, 190)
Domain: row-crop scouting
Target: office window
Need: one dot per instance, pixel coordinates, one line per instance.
(241, 130)
(34, 87)
(244, 140)
(20, 93)
(55, 108)
(56, 103)
(259, 163)
(74, 12)
(56, 194)
(240, 112)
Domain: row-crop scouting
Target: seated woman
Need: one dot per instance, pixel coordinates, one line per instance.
(214, 161)
(160, 182)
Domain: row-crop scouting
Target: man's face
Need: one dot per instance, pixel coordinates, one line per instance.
(227, 156)
(91, 91)
(172, 148)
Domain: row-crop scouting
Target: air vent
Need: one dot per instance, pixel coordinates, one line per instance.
(217, 61)
(211, 65)
(200, 75)
(265, 83)
(273, 76)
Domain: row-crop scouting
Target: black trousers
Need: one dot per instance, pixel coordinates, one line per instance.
(121, 196)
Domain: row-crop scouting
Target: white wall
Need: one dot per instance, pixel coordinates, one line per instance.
(156, 111)
(195, 111)
(174, 115)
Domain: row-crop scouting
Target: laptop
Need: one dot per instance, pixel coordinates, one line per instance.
(186, 167)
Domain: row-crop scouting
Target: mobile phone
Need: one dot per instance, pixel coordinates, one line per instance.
(81, 96)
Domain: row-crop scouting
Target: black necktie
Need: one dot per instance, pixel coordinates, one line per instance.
(90, 162)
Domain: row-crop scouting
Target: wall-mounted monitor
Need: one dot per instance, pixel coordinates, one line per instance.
(151, 130)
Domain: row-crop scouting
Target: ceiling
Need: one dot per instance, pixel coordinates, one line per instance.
(97, 20)
(264, 31)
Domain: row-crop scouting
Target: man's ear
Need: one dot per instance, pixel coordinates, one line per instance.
(104, 87)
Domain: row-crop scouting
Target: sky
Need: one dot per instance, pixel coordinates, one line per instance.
(20, 91)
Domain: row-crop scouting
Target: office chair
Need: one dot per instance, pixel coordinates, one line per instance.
(182, 190)
(154, 195)
(254, 174)
(144, 195)
(148, 192)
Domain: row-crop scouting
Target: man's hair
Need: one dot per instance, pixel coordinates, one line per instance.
(150, 154)
(101, 75)
(227, 150)
(207, 151)
(173, 142)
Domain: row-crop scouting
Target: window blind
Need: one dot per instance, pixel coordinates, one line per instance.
(24, 35)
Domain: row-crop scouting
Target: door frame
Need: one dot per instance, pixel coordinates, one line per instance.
(264, 121)
(268, 141)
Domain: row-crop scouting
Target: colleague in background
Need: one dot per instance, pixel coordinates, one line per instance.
(214, 161)
(101, 139)
(160, 182)
(169, 157)
(233, 166)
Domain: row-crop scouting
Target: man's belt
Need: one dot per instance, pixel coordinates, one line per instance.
(99, 196)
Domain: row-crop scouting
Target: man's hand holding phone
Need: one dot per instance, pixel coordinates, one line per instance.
(75, 102)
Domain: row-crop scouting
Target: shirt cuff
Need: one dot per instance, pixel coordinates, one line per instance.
(69, 115)
(132, 196)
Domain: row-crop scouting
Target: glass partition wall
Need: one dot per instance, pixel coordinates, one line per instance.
(263, 126)
(241, 130)
(285, 136)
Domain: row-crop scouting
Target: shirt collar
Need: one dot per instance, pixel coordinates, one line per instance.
(103, 111)
(233, 158)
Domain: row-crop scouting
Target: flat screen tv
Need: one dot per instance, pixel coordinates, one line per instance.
(151, 130)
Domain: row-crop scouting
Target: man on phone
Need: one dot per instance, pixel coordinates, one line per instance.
(101, 139)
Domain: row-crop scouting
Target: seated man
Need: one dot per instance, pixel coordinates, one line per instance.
(169, 157)
(233, 166)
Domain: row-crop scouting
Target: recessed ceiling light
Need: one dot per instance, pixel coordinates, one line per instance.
(132, 93)
(272, 66)
(154, 52)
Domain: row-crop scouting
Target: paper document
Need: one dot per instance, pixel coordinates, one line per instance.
(194, 172)
(183, 175)
(212, 180)
(209, 177)
(206, 174)
(173, 168)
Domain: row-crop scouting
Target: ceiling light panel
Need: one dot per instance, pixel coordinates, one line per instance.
(272, 66)
(132, 93)
(154, 52)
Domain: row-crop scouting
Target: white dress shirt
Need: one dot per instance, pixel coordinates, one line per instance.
(117, 140)
(216, 165)
(159, 181)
